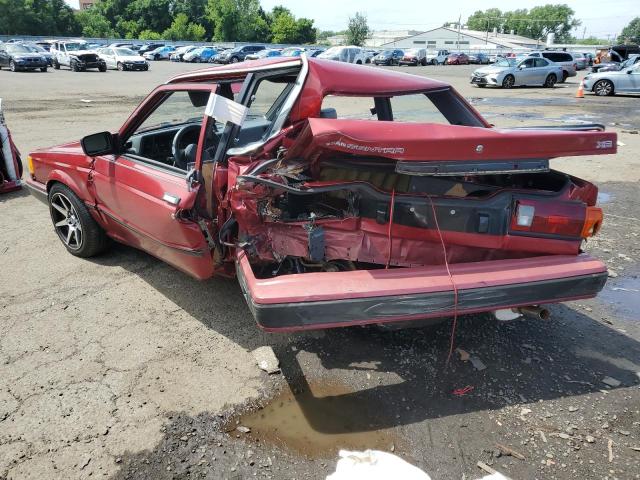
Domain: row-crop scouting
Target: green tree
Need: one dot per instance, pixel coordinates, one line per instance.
(307, 33)
(37, 17)
(517, 21)
(485, 21)
(536, 23)
(358, 29)
(13, 14)
(149, 35)
(631, 33)
(556, 19)
(286, 29)
(182, 29)
(94, 24)
(237, 20)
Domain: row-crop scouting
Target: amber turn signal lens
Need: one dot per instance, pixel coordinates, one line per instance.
(30, 165)
(592, 222)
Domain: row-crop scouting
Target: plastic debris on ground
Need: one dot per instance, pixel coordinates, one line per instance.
(377, 465)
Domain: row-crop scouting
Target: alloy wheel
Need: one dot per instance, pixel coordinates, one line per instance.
(12, 66)
(508, 81)
(66, 221)
(603, 88)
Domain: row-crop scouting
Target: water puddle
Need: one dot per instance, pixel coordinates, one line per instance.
(316, 423)
(624, 295)
(604, 197)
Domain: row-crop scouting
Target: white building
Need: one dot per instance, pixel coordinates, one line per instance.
(454, 39)
(377, 38)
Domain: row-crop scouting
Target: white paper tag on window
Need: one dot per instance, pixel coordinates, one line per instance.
(225, 110)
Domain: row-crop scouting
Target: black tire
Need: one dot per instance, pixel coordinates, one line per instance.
(234, 60)
(102, 68)
(56, 65)
(565, 75)
(20, 166)
(91, 238)
(44, 69)
(12, 66)
(359, 62)
(481, 85)
(423, 62)
(434, 62)
(508, 81)
(550, 81)
(367, 61)
(120, 66)
(74, 67)
(603, 88)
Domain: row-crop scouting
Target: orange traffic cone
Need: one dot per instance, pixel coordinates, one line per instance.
(580, 92)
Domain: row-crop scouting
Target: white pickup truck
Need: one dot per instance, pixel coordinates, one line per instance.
(73, 54)
(437, 58)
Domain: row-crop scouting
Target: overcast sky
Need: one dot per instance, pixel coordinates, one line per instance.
(600, 17)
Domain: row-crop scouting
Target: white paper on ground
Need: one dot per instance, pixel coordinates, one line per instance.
(377, 465)
(374, 465)
(225, 110)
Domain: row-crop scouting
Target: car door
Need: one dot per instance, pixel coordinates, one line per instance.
(526, 72)
(625, 80)
(109, 57)
(147, 202)
(539, 71)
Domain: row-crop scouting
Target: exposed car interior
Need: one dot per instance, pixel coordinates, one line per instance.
(169, 136)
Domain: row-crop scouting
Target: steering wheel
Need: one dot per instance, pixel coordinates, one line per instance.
(183, 156)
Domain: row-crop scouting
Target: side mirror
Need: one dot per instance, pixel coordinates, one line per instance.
(102, 143)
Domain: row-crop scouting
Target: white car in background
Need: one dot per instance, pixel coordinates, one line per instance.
(123, 59)
(160, 53)
(178, 55)
(349, 54)
(437, 58)
(626, 80)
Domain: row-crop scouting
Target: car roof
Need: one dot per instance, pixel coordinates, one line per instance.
(333, 77)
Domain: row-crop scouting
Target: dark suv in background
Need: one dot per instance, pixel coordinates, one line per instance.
(238, 54)
(149, 47)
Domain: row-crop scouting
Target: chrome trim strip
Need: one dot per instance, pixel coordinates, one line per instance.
(186, 251)
(239, 71)
(284, 112)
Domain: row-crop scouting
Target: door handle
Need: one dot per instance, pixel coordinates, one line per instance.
(171, 199)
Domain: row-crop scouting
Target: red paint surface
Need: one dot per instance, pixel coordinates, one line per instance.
(128, 194)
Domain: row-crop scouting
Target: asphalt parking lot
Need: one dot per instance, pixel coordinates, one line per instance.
(122, 367)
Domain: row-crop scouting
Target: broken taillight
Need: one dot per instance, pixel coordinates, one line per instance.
(593, 222)
(562, 219)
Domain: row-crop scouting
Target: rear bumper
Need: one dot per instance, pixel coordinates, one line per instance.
(327, 300)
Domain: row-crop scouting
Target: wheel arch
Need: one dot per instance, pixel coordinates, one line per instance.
(77, 186)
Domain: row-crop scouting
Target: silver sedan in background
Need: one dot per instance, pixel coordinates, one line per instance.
(626, 80)
(508, 73)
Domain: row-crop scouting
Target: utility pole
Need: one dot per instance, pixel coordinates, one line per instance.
(584, 32)
(486, 40)
(458, 42)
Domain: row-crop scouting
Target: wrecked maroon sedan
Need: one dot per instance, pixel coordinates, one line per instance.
(339, 194)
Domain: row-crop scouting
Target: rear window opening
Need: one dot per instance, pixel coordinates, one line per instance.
(440, 106)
